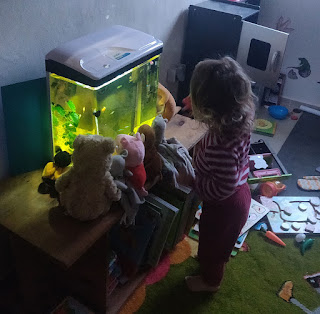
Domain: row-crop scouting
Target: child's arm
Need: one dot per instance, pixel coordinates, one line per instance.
(220, 174)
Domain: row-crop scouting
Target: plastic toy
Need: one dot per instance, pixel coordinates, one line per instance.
(52, 171)
(293, 214)
(309, 183)
(278, 112)
(271, 189)
(306, 245)
(300, 237)
(267, 172)
(271, 236)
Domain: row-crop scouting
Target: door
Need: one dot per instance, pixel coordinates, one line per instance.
(260, 53)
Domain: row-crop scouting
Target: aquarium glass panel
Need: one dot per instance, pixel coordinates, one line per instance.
(119, 106)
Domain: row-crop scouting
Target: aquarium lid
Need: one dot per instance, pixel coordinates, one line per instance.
(97, 57)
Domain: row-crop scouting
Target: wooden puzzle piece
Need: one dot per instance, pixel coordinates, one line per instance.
(290, 218)
(258, 161)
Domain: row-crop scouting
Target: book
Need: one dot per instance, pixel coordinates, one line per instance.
(167, 213)
(265, 127)
(130, 243)
(70, 305)
(186, 201)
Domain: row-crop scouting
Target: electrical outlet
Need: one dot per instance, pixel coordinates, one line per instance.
(172, 75)
(181, 72)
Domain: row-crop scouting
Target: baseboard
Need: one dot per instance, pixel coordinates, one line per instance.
(297, 104)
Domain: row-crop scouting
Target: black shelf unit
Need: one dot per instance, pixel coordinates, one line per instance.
(213, 31)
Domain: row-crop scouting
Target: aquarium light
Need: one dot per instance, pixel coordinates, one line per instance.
(106, 83)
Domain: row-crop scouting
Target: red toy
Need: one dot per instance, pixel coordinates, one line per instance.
(270, 189)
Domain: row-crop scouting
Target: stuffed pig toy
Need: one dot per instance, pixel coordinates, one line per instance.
(134, 160)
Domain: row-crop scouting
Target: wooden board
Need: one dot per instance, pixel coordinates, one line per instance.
(37, 219)
(27, 121)
(187, 131)
(121, 294)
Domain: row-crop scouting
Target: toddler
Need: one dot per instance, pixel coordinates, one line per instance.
(222, 98)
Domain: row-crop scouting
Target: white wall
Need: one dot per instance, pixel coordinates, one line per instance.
(30, 29)
(304, 41)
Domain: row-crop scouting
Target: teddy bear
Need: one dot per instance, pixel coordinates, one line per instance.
(87, 190)
(130, 200)
(134, 162)
(152, 160)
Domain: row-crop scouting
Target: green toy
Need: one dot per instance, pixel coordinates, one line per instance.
(306, 245)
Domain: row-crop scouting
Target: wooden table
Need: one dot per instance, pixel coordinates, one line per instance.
(56, 255)
(188, 131)
(53, 251)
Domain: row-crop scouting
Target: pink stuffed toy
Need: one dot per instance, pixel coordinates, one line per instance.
(134, 162)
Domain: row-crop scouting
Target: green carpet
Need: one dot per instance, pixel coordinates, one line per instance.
(251, 282)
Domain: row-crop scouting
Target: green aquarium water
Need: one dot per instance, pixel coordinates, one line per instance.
(118, 106)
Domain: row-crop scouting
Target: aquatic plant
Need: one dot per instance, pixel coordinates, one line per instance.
(70, 121)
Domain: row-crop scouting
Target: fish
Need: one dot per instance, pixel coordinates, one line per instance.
(97, 113)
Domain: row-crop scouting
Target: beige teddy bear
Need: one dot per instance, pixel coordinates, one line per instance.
(87, 190)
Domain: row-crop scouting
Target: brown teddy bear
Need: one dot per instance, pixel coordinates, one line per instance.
(87, 190)
(152, 160)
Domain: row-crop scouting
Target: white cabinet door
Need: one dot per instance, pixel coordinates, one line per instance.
(260, 53)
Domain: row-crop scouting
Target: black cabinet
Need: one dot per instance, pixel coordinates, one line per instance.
(213, 31)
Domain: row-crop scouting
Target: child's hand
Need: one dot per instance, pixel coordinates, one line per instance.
(187, 104)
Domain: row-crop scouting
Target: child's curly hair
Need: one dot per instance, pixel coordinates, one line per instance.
(222, 98)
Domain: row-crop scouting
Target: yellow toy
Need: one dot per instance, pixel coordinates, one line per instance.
(52, 171)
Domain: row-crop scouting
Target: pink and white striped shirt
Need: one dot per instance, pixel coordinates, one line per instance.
(221, 168)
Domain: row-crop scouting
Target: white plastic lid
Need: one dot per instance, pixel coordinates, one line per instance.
(98, 55)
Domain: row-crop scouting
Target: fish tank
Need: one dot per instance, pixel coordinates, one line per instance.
(104, 83)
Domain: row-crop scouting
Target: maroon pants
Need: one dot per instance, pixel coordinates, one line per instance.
(220, 225)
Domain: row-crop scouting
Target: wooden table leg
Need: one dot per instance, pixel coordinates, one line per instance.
(44, 284)
(35, 278)
(86, 280)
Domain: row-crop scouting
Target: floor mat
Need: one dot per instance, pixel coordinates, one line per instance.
(300, 154)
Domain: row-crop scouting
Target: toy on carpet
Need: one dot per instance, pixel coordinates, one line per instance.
(166, 100)
(293, 214)
(134, 161)
(87, 190)
(256, 212)
(304, 244)
(270, 235)
(130, 200)
(286, 294)
(152, 160)
(278, 112)
(52, 171)
(313, 280)
(265, 127)
(309, 183)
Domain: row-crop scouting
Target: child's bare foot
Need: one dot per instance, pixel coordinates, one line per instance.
(197, 284)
